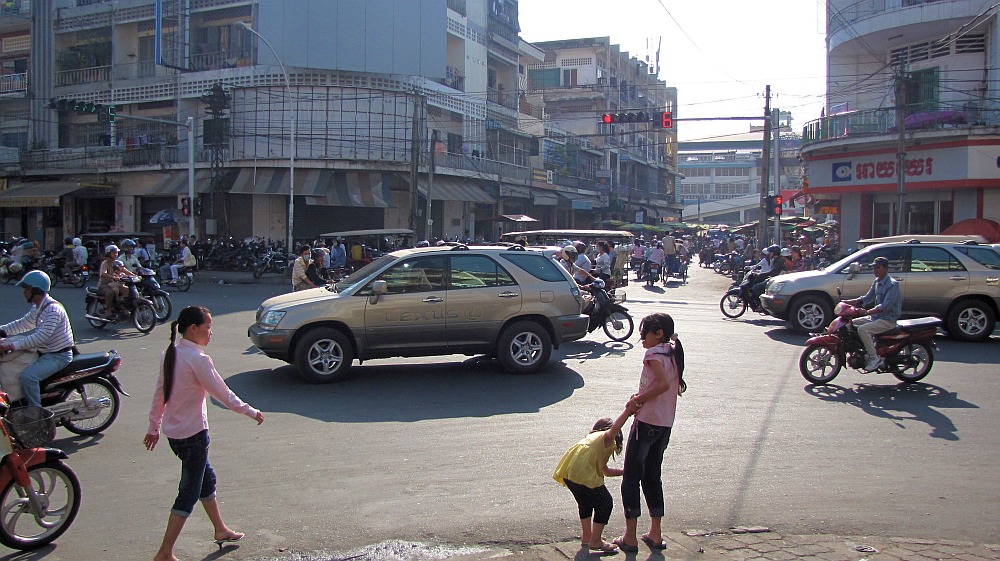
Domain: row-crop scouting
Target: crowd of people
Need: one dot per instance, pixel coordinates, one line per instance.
(801, 251)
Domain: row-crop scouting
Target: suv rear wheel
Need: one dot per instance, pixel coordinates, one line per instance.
(524, 347)
(810, 314)
(323, 356)
(971, 320)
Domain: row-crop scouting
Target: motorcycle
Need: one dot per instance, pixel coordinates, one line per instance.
(59, 271)
(907, 351)
(39, 493)
(150, 289)
(605, 312)
(652, 274)
(739, 297)
(272, 261)
(135, 308)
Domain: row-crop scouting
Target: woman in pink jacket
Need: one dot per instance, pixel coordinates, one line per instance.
(187, 378)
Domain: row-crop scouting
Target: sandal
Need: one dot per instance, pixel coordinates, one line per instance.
(625, 547)
(608, 548)
(652, 544)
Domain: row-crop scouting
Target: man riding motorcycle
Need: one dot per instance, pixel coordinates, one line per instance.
(776, 265)
(109, 283)
(46, 329)
(130, 259)
(884, 293)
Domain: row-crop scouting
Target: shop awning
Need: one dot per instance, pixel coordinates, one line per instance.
(542, 197)
(447, 188)
(580, 202)
(323, 187)
(42, 193)
(508, 190)
(175, 183)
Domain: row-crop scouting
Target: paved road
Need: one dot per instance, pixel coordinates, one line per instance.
(455, 450)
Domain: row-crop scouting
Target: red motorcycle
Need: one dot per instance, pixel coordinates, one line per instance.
(907, 351)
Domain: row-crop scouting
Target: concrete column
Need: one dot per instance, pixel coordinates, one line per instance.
(44, 131)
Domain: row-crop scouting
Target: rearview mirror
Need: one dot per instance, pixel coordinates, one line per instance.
(853, 270)
(379, 288)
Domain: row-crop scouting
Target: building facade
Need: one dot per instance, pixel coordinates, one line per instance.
(929, 66)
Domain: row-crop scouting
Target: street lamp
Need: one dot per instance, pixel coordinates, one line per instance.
(291, 159)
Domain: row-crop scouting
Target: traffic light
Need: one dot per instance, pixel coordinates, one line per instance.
(667, 119)
(185, 206)
(778, 201)
(627, 117)
(768, 205)
(85, 107)
(198, 206)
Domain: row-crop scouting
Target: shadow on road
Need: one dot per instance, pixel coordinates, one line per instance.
(900, 403)
(953, 350)
(586, 350)
(408, 392)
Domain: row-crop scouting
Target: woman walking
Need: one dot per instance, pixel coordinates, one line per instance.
(187, 377)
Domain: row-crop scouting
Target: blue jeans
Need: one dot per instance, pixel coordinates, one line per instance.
(643, 466)
(46, 365)
(197, 476)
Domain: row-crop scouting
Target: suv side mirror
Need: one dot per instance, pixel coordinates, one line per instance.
(853, 270)
(379, 288)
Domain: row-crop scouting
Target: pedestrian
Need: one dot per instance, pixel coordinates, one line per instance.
(582, 470)
(187, 377)
(661, 381)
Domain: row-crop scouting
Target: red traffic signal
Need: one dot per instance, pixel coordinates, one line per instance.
(607, 118)
(778, 201)
(667, 119)
(186, 206)
(628, 117)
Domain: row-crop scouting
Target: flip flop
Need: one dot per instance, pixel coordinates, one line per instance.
(652, 544)
(607, 548)
(625, 547)
(239, 536)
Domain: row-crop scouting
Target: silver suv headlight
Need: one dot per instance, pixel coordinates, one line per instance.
(776, 286)
(271, 319)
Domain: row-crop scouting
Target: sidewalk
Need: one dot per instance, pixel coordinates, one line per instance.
(205, 276)
(762, 544)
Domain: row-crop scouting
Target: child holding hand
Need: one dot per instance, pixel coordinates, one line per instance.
(582, 470)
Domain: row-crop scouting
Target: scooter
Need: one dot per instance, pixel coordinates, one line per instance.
(40, 494)
(653, 274)
(907, 351)
(605, 312)
(739, 297)
(59, 271)
(135, 308)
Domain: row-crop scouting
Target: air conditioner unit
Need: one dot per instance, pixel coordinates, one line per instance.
(549, 177)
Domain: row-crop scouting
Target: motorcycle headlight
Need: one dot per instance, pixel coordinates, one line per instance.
(775, 287)
(271, 319)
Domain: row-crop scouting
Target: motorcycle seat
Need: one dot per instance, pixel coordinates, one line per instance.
(92, 290)
(84, 361)
(918, 324)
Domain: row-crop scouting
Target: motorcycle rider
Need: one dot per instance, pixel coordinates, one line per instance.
(582, 263)
(109, 279)
(884, 293)
(638, 258)
(130, 259)
(570, 258)
(656, 255)
(80, 253)
(46, 329)
(776, 266)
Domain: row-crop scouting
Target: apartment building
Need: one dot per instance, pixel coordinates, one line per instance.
(367, 126)
(929, 66)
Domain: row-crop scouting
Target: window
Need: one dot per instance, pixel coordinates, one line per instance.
(933, 259)
(985, 256)
(477, 271)
(920, 91)
(895, 255)
(540, 79)
(421, 274)
(537, 266)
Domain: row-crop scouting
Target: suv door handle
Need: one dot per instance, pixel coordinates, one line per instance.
(509, 294)
(433, 299)
(958, 278)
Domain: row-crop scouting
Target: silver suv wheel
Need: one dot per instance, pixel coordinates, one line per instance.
(971, 321)
(524, 347)
(323, 355)
(810, 314)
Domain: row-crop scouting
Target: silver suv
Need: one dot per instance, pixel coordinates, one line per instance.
(957, 282)
(511, 303)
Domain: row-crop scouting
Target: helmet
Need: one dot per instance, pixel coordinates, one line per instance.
(15, 267)
(659, 244)
(580, 246)
(785, 252)
(128, 243)
(598, 283)
(77, 241)
(119, 264)
(773, 249)
(110, 248)
(570, 253)
(423, 243)
(36, 279)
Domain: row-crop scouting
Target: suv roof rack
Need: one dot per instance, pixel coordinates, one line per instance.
(970, 242)
(516, 247)
(459, 247)
(912, 241)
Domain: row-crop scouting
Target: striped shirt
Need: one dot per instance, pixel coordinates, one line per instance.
(45, 328)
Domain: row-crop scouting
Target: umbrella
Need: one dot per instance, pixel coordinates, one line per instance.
(163, 217)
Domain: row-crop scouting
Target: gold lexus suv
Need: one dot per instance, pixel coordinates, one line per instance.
(507, 302)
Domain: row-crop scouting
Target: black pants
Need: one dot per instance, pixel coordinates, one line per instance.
(592, 502)
(644, 466)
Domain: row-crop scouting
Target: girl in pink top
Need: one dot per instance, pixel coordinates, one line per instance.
(187, 378)
(661, 381)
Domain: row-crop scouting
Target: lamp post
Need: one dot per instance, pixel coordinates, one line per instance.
(291, 159)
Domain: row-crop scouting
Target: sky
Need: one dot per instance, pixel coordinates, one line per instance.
(719, 54)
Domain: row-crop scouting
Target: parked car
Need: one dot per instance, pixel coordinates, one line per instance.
(508, 302)
(957, 282)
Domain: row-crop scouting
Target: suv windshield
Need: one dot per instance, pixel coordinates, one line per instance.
(359, 275)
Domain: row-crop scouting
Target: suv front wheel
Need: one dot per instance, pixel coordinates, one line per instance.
(971, 320)
(810, 314)
(524, 347)
(323, 356)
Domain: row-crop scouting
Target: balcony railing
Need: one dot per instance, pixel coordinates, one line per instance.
(503, 98)
(482, 165)
(874, 122)
(14, 83)
(102, 157)
(83, 76)
(219, 60)
(864, 9)
(135, 70)
(454, 79)
(457, 6)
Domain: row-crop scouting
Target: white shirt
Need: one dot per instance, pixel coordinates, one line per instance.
(604, 264)
(583, 263)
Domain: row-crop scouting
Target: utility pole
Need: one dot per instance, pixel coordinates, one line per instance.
(900, 151)
(776, 130)
(430, 187)
(765, 166)
(216, 137)
(414, 160)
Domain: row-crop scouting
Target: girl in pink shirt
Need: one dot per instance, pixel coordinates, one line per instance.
(661, 381)
(187, 377)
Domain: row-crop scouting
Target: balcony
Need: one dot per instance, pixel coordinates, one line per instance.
(482, 165)
(14, 83)
(109, 157)
(502, 98)
(875, 122)
(457, 6)
(83, 76)
(135, 70)
(865, 9)
(220, 59)
(453, 79)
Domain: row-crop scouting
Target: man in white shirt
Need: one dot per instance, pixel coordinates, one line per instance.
(582, 263)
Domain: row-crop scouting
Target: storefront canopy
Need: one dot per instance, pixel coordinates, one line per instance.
(324, 187)
(448, 188)
(43, 193)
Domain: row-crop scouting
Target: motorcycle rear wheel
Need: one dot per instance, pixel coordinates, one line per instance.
(144, 318)
(58, 488)
(79, 280)
(95, 425)
(258, 271)
(183, 282)
(924, 359)
(93, 308)
(732, 306)
(618, 325)
(819, 365)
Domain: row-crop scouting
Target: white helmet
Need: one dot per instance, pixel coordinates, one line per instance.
(570, 253)
(785, 252)
(598, 283)
(111, 248)
(77, 241)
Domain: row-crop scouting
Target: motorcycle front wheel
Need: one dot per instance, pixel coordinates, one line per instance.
(258, 271)
(93, 309)
(57, 488)
(79, 280)
(144, 318)
(183, 282)
(163, 307)
(917, 359)
(732, 306)
(618, 325)
(820, 365)
(96, 389)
